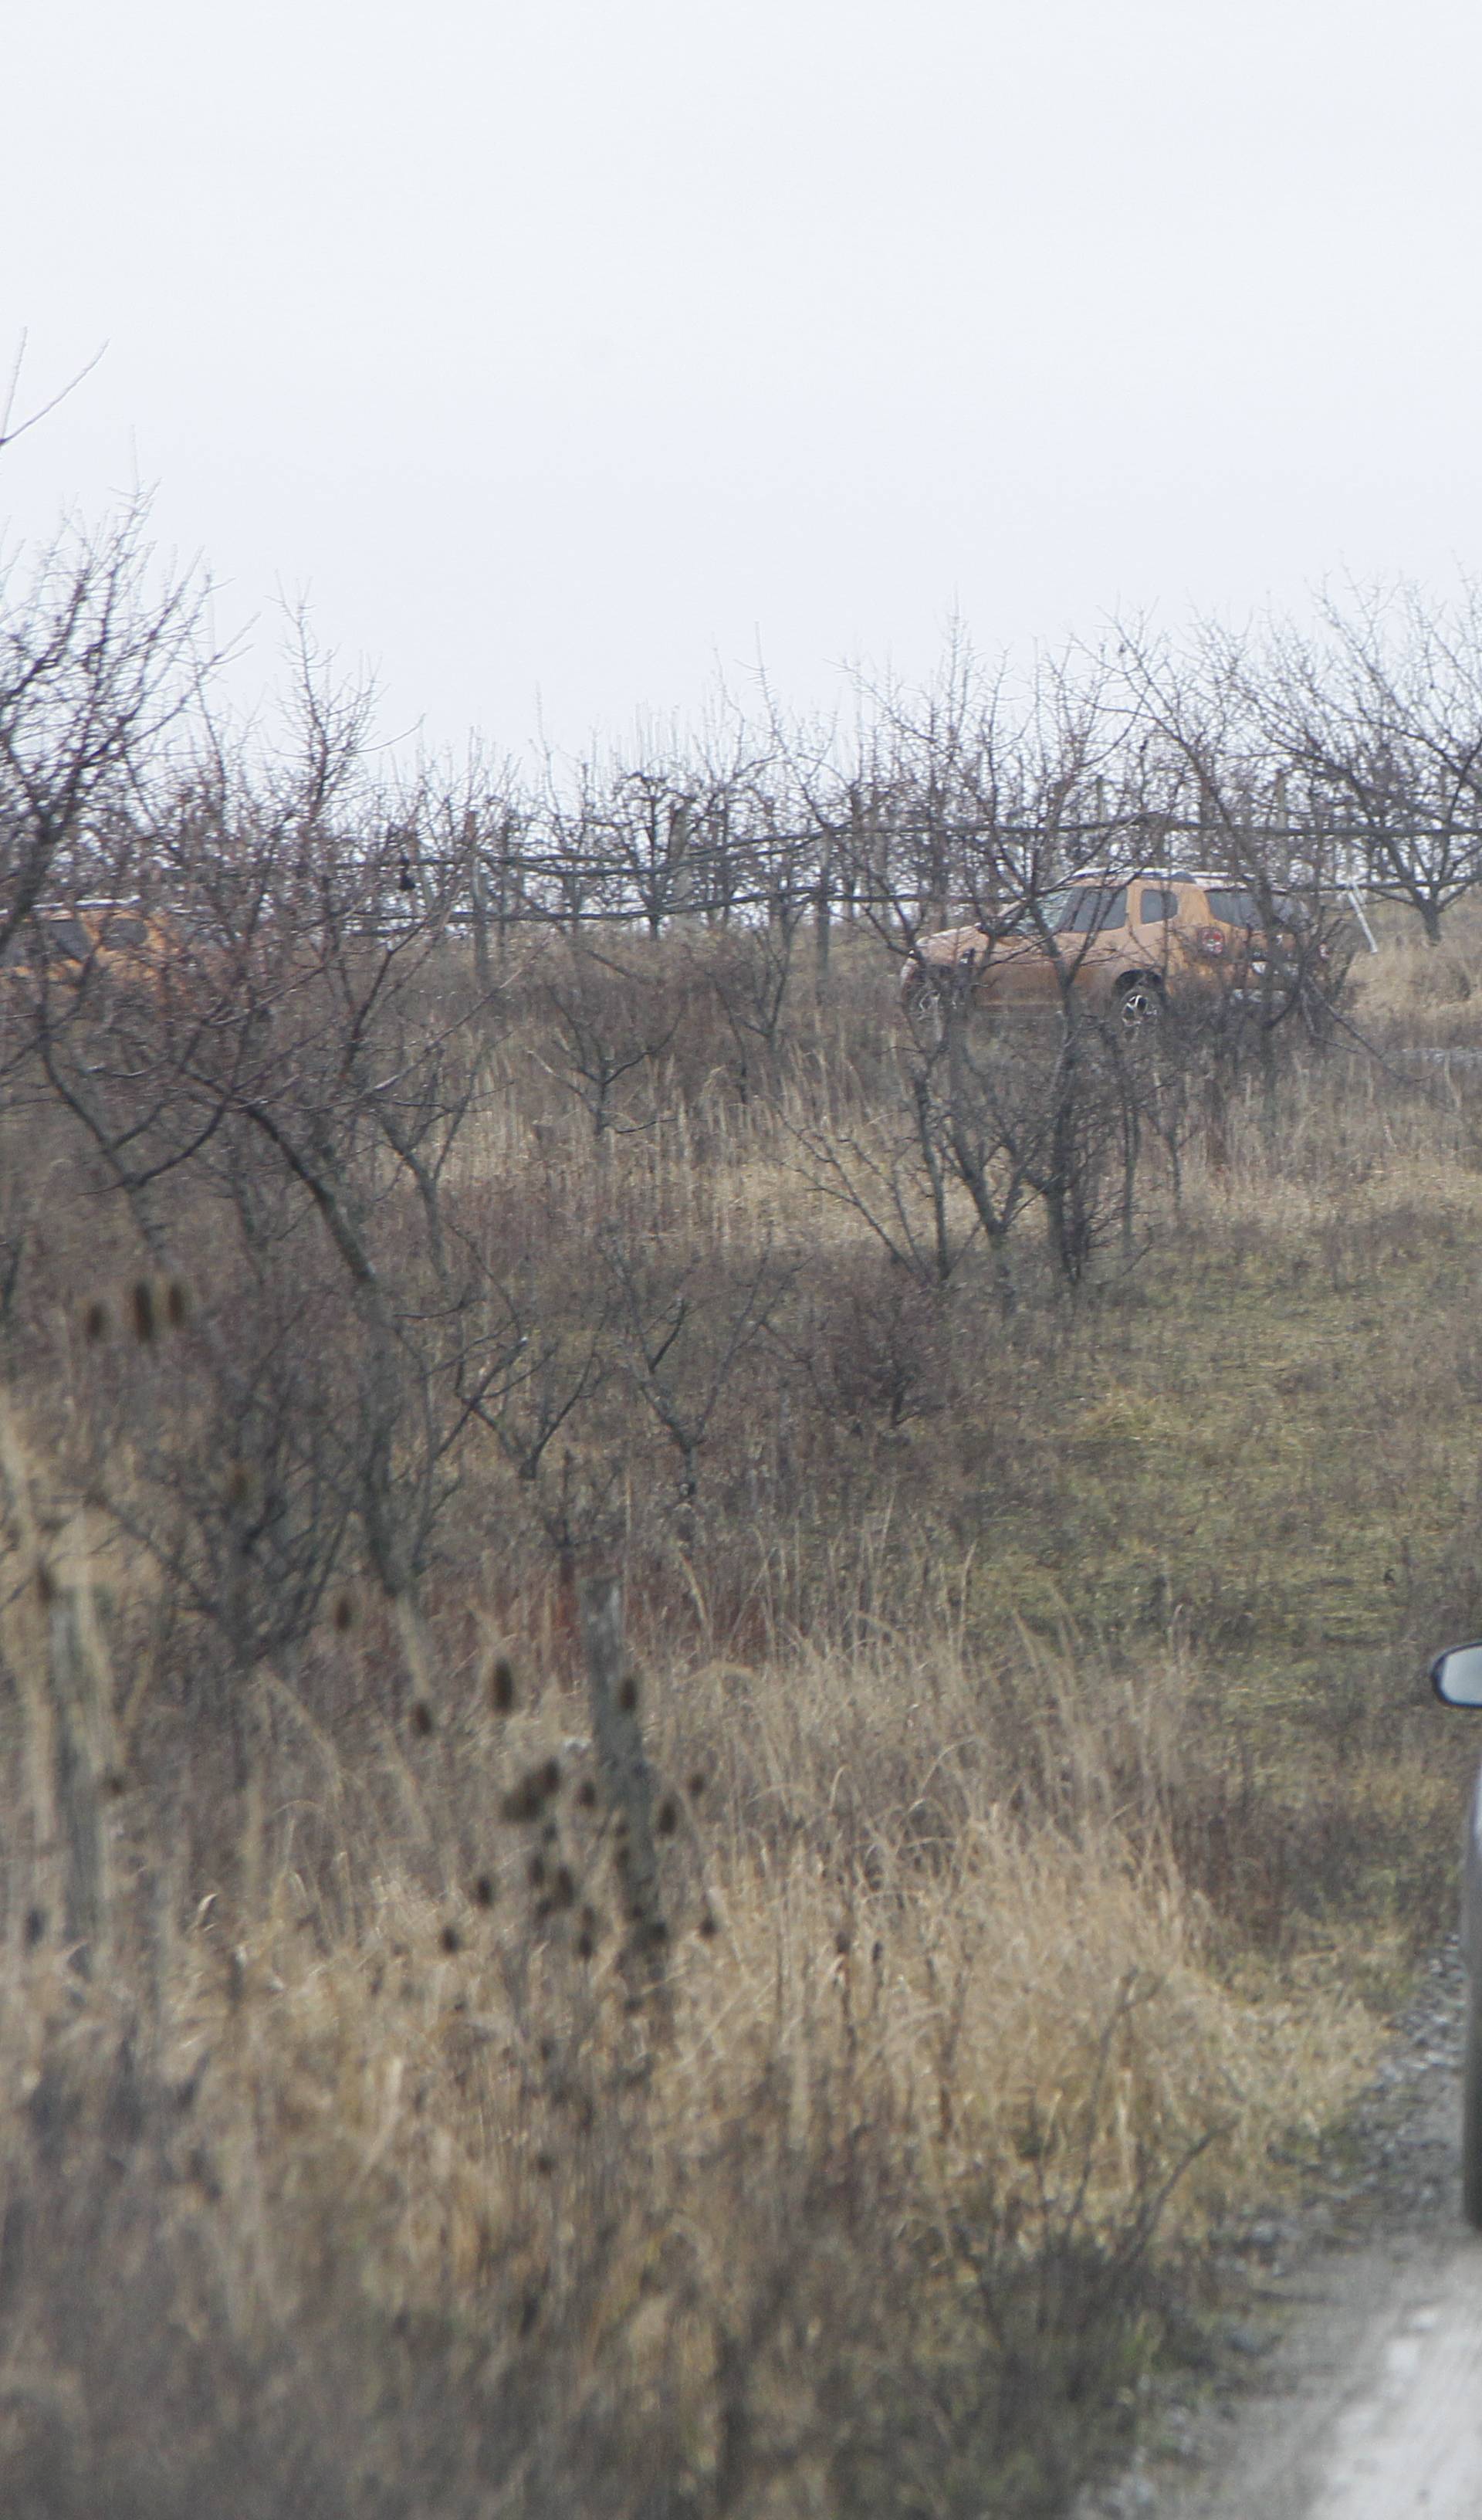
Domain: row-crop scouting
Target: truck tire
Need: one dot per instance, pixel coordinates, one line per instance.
(1140, 1001)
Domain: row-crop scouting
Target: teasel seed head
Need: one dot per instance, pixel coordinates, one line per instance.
(502, 1692)
(422, 1719)
(526, 1800)
(143, 1311)
(96, 1322)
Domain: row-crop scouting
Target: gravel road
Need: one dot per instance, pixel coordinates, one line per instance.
(1350, 2385)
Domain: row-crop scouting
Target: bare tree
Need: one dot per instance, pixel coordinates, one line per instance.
(678, 1342)
(98, 667)
(308, 1073)
(611, 1026)
(13, 424)
(1380, 721)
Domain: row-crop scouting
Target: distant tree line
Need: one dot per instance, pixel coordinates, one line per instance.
(1346, 753)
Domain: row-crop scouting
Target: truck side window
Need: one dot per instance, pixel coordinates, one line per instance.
(1098, 910)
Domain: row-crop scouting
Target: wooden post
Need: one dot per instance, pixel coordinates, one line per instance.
(76, 1691)
(502, 907)
(478, 905)
(628, 1785)
(682, 914)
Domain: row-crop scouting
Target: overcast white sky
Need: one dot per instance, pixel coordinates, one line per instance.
(561, 350)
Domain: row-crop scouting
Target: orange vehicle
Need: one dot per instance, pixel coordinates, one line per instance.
(69, 943)
(1129, 942)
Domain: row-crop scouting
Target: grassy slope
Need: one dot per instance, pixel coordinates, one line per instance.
(1070, 1804)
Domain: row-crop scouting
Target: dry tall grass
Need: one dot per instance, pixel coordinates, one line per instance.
(1045, 1815)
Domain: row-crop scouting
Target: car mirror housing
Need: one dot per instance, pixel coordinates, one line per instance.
(1457, 1677)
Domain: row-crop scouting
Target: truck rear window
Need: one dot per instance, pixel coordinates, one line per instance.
(1235, 908)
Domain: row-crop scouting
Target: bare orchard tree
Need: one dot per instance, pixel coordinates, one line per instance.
(312, 1072)
(610, 1027)
(464, 823)
(1379, 721)
(750, 973)
(971, 800)
(931, 1175)
(679, 1335)
(216, 1435)
(990, 1120)
(1212, 727)
(98, 664)
(1048, 1107)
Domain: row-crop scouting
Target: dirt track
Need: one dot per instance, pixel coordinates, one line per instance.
(1364, 2345)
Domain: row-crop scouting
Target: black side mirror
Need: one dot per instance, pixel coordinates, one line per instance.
(1457, 1677)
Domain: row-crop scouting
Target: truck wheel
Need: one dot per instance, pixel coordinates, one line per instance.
(926, 1001)
(1140, 1001)
(1472, 2105)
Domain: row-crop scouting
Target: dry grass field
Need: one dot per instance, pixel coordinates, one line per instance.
(1047, 1808)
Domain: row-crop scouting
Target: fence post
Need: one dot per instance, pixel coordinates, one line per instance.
(478, 906)
(502, 895)
(682, 866)
(627, 1780)
(78, 1691)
